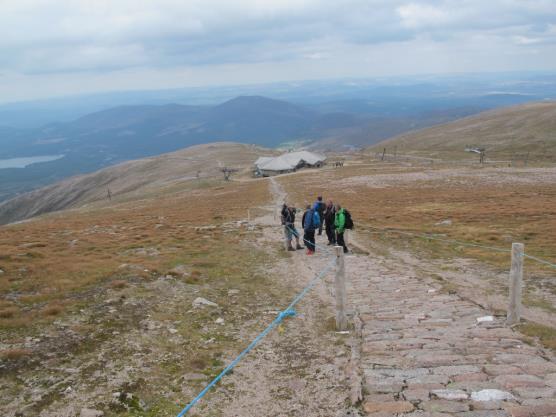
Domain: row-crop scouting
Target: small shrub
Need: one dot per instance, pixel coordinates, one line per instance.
(15, 354)
(118, 284)
(9, 312)
(52, 310)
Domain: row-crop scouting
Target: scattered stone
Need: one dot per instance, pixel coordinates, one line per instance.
(220, 321)
(68, 390)
(89, 412)
(1, 271)
(194, 377)
(450, 394)
(232, 292)
(446, 222)
(172, 330)
(485, 319)
(179, 270)
(200, 301)
(491, 395)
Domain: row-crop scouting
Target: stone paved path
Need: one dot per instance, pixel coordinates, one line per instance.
(423, 353)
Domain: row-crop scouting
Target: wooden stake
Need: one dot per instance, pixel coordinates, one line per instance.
(516, 281)
(340, 284)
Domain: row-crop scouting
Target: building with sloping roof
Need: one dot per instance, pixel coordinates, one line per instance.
(289, 162)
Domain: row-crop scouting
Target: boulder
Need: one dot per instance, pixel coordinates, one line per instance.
(200, 302)
(89, 412)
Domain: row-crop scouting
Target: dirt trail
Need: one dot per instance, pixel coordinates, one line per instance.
(298, 370)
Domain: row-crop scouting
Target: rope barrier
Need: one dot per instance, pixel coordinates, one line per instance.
(296, 233)
(458, 242)
(287, 312)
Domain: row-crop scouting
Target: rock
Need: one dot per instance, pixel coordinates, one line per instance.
(1, 271)
(200, 301)
(443, 406)
(179, 270)
(68, 390)
(394, 407)
(449, 394)
(519, 381)
(194, 377)
(89, 412)
(232, 292)
(172, 330)
(485, 319)
(219, 320)
(491, 395)
(446, 222)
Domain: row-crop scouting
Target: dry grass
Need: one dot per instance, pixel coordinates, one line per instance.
(15, 354)
(481, 212)
(546, 335)
(82, 249)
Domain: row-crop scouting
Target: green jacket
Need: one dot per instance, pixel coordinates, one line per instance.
(340, 221)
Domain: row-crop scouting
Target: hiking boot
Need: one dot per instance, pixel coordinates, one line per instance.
(290, 249)
(298, 247)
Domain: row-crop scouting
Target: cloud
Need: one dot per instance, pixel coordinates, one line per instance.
(62, 36)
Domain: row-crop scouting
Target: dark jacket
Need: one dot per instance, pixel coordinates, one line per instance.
(330, 215)
(289, 216)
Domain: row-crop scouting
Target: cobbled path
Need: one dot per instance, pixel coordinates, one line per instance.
(423, 352)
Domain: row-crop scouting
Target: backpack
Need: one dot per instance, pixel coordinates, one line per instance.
(312, 220)
(316, 220)
(349, 221)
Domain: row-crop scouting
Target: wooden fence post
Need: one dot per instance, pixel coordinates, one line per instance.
(340, 284)
(516, 281)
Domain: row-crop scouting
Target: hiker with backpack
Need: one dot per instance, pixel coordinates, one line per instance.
(329, 219)
(342, 222)
(288, 220)
(319, 207)
(311, 222)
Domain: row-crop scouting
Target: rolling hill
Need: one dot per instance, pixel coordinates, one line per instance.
(132, 179)
(527, 128)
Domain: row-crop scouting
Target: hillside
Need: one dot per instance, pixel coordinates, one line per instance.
(133, 179)
(528, 128)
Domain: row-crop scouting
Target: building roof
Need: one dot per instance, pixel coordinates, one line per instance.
(288, 161)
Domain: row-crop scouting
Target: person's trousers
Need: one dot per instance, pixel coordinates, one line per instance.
(340, 241)
(320, 226)
(309, 239)
(331, 233)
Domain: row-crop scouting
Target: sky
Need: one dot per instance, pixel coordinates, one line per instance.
(55, 48)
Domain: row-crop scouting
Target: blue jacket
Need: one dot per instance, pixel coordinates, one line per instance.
(311, 220)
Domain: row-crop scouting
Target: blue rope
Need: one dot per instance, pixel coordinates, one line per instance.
(288, 312)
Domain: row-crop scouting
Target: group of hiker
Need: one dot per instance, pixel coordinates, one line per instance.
(333, 218)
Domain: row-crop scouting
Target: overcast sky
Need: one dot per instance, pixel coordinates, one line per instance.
(54, 47)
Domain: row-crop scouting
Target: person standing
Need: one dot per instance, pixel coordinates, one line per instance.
(310, 223)
(340, 224)
(288, 216)
(319, 208)
(329, 219)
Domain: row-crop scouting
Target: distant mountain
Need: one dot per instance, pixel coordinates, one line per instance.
(117, 134)
(527, 128)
